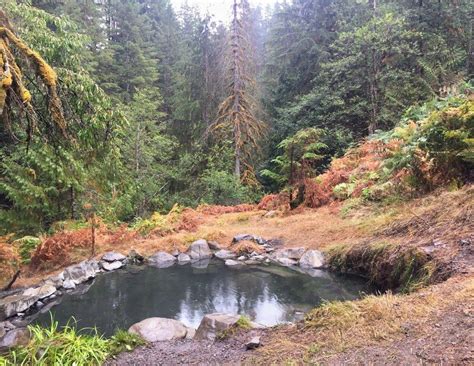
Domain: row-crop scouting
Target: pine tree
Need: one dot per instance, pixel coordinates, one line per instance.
(237, 112)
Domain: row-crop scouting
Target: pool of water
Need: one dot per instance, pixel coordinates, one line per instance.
(268, 294)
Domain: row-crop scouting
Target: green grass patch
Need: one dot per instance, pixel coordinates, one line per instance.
(69, 347)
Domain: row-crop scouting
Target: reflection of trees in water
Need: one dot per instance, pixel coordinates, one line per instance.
(117, 300)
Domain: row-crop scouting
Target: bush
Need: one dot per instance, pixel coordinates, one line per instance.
(26, 246)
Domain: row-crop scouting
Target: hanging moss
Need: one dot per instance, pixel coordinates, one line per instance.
(11, 76)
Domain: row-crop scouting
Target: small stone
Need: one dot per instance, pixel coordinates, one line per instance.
(269, 250)
(191, 332)
(231, 262)
(111, 266)
(69, 285)
(253, 343)
(259, 258)
(113, 256)
(183, 258)
(225, 254)
(242, 258)
(271, 214)
(135, 257)
(214, 245)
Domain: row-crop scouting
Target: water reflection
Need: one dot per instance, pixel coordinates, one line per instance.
(268, 294)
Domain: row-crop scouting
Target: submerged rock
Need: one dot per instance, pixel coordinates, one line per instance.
(161, 260)
(159, 329)
(113, 257)
(287, 262)
(199, 250)
(312, 259)
(225, 254)
(231, 262)
(111, 266)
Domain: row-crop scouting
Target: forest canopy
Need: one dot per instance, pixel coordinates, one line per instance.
(125, 108)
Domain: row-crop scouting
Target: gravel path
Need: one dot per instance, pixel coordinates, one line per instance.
(188, 352)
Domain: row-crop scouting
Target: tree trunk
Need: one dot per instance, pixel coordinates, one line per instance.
(236, 90)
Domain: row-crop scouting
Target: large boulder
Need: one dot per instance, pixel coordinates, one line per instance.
(199, 250)
(81, 272)
(13, 338)
(161, 260)
(225, 254)
(214, 324)
(312, 259)
(113, 257)
(17, 303)
(159, 329)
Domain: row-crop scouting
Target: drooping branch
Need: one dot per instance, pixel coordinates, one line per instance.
(12, 87)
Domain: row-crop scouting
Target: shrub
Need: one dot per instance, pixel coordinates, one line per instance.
(26, 246)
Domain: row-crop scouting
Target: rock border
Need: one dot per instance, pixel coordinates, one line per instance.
(14, 305)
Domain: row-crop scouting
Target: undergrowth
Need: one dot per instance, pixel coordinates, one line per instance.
(69, 346)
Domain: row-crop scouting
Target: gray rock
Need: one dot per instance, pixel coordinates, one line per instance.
(159, 329)
(253, 343)
(111, 266)
(113, 257)
(183, 258)
(287, 262)
(56, 281)
(201, 264)
(259, 258)
(191, 332)
(250, 237)
(214, 245)
(214, 324)
(312, 259)
(161, 260)
(14, 338)
(242, 258)
(69, 285)
(225, 254)
(81, 272)
(291, 253)
(231, 262)
(14, 304)
(199, 250)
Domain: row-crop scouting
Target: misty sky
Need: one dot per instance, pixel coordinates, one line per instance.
(221, 9)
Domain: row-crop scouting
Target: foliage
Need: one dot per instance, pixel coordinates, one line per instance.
(123, 341)
(9, 260)
(26, 246)
(70, 346)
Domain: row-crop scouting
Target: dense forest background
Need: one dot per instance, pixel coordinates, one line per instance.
(148, 95)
